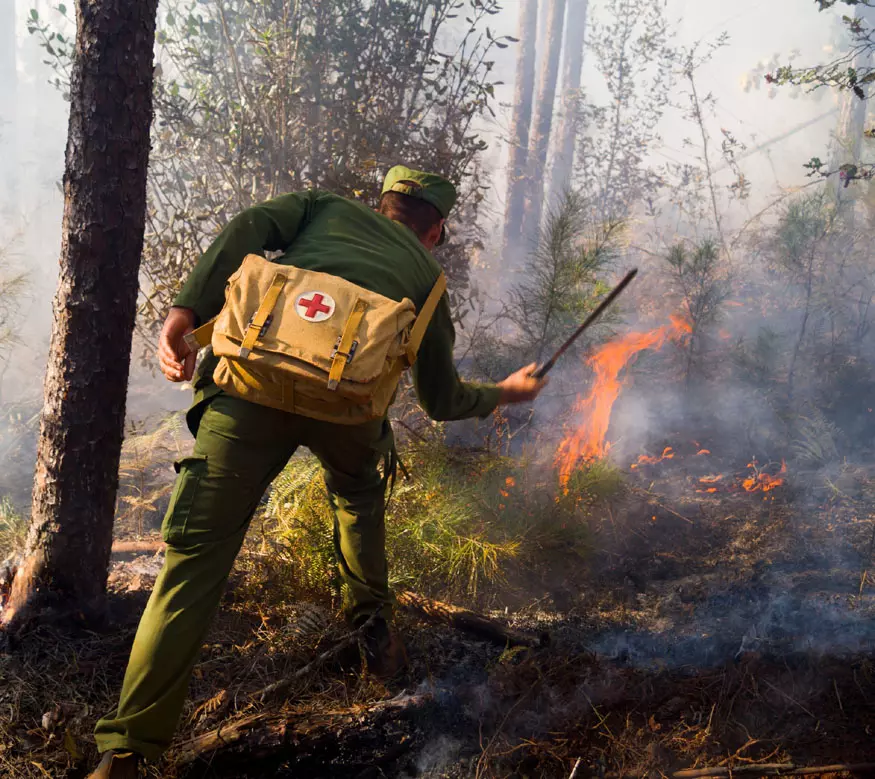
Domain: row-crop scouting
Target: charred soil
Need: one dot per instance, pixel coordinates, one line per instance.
(706, 629)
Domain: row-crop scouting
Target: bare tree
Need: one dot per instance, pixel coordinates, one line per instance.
(852, 120)
(63, 573)
(569, 120)
(542, 123)
(522, 119)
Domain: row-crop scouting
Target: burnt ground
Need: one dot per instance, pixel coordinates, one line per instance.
(705, 629)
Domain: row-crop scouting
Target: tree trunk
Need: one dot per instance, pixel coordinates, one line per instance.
(64, 570)
(522, 120)
(852, 123)
(543, 122)
(572, 63)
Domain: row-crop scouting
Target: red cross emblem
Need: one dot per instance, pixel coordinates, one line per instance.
(314, 306)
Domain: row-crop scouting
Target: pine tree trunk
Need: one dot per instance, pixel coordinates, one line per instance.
(572, 63)
(63, 574)
(543, 122)
(522, 119)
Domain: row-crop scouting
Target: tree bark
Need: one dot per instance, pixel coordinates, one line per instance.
(522, 120)
(852, 123)
(63, 573)
(543, 121)
(572, 64)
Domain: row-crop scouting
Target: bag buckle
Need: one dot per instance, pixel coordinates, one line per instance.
(349, 355)
(335, 352)
(264, 328)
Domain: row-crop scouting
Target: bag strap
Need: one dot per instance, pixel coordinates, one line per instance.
(201, 337)
(261, 321)
(417, 332)
(344, 351)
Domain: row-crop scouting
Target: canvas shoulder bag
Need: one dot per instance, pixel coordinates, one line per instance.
(311, 343)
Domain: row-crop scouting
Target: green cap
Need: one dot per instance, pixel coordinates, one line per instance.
(429, 187)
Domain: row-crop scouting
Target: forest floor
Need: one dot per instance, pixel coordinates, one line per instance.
(708, 629)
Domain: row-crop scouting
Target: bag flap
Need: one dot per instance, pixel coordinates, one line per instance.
(308, 319)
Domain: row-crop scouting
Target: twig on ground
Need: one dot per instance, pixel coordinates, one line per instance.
(573, 774)
(138, 547)
(653, 502)
(466, 621)
(282, 685)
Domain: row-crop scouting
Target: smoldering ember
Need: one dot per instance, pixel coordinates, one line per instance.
(302, 475)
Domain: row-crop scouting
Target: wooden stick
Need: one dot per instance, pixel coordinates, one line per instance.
(574, 770)
(467, 621)
(756, 769)
(541, 372)
(282, 685)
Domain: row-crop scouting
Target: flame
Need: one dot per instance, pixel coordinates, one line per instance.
(587, 442)
(667, 454)
(711, 479)
(510, 481)
(703, 452)
(763, 481)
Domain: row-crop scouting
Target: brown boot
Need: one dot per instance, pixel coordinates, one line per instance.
(117, 764)
(384, 652)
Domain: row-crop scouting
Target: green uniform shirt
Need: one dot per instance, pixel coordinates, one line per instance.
(346, 239)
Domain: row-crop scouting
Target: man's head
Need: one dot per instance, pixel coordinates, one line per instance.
(422, 201)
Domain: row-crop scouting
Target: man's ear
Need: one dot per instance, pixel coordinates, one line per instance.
(434, 234)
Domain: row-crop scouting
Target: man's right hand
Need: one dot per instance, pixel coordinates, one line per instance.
(174, 355)
(522, 386)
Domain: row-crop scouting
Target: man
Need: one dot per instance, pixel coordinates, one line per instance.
(241, 447)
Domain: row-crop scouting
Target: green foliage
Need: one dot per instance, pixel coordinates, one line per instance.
(597, 480)
(816, 441)
(631, 44)
(561, 282)
(257, 98)
(701, 282)
(455, 528)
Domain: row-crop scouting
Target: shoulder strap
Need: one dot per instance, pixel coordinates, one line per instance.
(201, 337)
(417, 332)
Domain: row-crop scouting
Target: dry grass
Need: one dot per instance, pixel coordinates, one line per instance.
(701, 629)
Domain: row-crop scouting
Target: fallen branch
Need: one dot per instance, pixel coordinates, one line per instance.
(467, 621)
(282, 685)
(306, 741)
(138, 547)
(754, 769)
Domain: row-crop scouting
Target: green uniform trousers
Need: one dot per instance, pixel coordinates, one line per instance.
(240, 448)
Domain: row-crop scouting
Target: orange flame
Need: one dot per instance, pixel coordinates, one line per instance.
(711, 479)
(587, 442)
(667, 454)
(762, 481)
